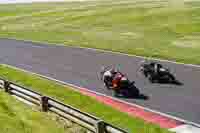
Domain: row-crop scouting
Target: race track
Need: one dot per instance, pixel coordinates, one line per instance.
(79, 66)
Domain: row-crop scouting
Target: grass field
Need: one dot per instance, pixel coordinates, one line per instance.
(75, 99)
(166, 29)
(16, 117)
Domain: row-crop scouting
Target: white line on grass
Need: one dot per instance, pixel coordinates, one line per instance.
(132, 55)
(33, 14)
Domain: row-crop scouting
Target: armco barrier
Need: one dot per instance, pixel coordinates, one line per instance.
(1, 83)
(88, 121)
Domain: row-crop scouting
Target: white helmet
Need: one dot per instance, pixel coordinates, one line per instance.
(113, 70)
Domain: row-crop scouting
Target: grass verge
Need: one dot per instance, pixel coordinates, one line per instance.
(167, 29)
(75, 99)
(16, 117)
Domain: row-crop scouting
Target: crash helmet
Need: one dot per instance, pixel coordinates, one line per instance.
(143, 62)
(159, 65)
(113, 70)
(152, 63)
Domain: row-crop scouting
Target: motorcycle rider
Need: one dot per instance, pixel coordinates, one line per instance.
(118, 77)
(112, 78)
(154, 67)
(157, 68)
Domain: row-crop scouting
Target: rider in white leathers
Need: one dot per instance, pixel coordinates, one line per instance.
(108, 77)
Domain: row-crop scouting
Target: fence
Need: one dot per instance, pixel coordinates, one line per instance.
(88, 121)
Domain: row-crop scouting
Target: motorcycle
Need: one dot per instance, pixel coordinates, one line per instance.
(164, 74)
(126, 87)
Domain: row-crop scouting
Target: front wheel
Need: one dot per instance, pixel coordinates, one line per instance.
(143, 71)
(106, 86)
(170, 77)
(115, 93)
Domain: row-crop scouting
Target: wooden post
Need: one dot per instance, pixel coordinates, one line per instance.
(44, 103)
(6, 86)
(100, 127)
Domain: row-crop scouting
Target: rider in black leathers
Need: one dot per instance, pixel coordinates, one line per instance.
(156, 68)
(153, 68)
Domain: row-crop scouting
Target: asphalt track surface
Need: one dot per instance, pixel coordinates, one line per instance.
(80, 66)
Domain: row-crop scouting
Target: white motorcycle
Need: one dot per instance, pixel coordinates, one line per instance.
(126, 87)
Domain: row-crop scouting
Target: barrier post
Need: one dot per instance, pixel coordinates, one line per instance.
(100, 127)
(44, 103)
(6, 86)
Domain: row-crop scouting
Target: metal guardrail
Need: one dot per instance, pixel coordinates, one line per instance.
(1, 83)
(88, 121)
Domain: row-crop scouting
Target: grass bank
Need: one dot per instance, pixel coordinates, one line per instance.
(16, 117)
(167, 29)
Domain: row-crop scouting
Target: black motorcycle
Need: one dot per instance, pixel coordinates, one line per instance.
(163, 76)
(126, 87)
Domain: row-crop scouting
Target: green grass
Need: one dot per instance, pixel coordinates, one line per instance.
(16, 117)
(167, 29)
(75, 99)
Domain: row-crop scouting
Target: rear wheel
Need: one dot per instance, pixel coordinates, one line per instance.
(134, 91)
(170, 77)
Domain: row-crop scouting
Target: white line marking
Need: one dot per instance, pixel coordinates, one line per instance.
(27, 66)
(132, 55)
(38, 46)
(33, 14)
(132, 104)
(185, 129)
(106, 51)
(27, 1)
